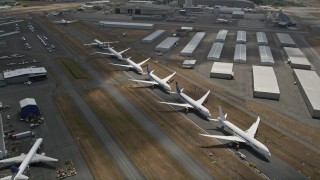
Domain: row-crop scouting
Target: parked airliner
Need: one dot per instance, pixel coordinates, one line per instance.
(239, 135)
(25, 160)
(133, 65)
(112, 51)
(63, 21)
(163, 83)
(191, 103)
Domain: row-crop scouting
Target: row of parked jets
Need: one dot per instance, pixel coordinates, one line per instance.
(238, 135)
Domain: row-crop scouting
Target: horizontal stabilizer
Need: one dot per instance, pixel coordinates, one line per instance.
(228, 138)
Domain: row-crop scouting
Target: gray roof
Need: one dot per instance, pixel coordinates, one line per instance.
(266, 55)
(241, 37)
(296, 56)
(262, 38)
(240, 53)
(215, 51)
(153, 35)
(146, 7)
(310, 84)
(193, 44)
(285, 39)
(222, 35)
(24, 71)
(168, 42)
(264, 80)
(126, 25)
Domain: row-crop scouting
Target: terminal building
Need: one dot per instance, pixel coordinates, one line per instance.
(23, 75)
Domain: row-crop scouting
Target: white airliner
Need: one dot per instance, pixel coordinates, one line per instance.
(112, 51)
(63, 21)
(133, 65)
(163, 83)
(25, 160)
(190, 103)
(239, 135)
(97, 43)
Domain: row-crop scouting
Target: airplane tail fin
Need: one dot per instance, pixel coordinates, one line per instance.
(222, 116)
(148, 70)
(14, 170)
(178, 88)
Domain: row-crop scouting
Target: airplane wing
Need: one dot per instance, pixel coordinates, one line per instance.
(124, 51)
(41, 158)
(122, 65)
(178, 104)
(253, 129)
(143, 61)
(201, 100)
(17, 159)
(229, 138)
(110, 54)
(169, 77)
(91, 44)
(148, 82)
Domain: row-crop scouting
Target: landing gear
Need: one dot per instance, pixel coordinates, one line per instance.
(187, 110)
(152, 86)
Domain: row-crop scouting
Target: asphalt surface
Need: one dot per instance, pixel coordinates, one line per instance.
(188, 163)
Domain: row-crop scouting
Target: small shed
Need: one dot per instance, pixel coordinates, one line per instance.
(28, 108)
(190, 64)
(238, 14)
(222, 70)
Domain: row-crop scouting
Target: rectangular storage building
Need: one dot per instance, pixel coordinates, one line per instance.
(240, 53)
(297, 59)
(190, 64)
(262, 38)
(241, 37)
(153, 36)
(309, 85)
(189, 49)
(222, 70)
(265, 83)
(167, 44)
(126, 25)
(221, 36)
(215, 51)
(266, 56)
(286, 40)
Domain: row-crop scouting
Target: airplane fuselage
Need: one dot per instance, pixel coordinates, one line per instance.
(99, 43)
(199, 107)
(134, 65)
(29, 156)
(250, 141)
(160, 82)
(115, 53)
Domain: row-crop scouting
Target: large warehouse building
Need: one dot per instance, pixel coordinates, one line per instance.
(229, 3)
(286, 40)
(24, 75)
(167, 44)
(265, 83)
(154, 36)
(28, 108)
(297, 58)
(266, 57)
(189, 49)
(143, 9)
(222, 70)
(215, 51)
(221, 36)
(309, 85)
(240, 53)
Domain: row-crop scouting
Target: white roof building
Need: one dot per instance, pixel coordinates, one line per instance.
(153, 36)
(126, 25)
(262, 38)
(297, 59)
(167, 44)
(221, 36)
(27, 101)
(286, 40)
(215, 51)
(265, 83)
(24, 71)
(222, 70)
(309, 85)
(241, 37)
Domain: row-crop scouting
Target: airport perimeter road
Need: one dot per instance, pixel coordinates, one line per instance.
(119, 157)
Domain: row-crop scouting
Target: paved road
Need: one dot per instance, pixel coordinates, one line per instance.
(119, 157)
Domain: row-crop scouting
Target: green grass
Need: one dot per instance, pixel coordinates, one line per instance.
(74, 68)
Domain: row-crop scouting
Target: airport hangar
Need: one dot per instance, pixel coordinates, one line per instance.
(23, 75)
(143, 9)
(229, 3)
